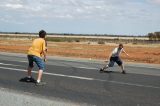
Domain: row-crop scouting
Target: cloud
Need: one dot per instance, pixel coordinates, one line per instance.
(14, 6)
(8, 19)
(155, 1)
(102, 10)
(59, 8)
(82, 13)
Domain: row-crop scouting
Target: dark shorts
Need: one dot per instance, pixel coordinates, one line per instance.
(37, 60)
(113, 60)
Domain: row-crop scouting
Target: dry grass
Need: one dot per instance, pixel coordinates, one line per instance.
(138, 53)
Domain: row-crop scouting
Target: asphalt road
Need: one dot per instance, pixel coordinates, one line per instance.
(79, 81)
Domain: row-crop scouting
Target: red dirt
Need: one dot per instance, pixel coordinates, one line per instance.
(146, 54)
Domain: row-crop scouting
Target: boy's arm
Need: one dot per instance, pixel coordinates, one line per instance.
(44, 51)
(125, 52)
(46, 46)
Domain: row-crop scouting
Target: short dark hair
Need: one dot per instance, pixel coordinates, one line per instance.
(120, 44)
(42, 34)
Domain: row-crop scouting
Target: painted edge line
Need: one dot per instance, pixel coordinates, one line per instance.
(85, 78)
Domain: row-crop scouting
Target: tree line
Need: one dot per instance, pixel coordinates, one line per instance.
(72, 34)
(154, 36)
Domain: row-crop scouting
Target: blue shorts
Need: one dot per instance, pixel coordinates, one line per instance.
(113, 60)
(37, 60)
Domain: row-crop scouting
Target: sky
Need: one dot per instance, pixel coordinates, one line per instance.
(122, 17)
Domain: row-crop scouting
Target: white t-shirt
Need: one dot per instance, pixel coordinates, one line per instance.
(116, 52)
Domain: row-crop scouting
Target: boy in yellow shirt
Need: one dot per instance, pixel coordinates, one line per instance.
(35, 54)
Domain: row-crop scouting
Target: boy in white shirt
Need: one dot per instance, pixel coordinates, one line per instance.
(115, 57)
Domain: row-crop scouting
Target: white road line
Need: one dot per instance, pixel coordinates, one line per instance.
(90, 68)
(23, 61)
(130, 84)
(9, 64)
(98, 62)
(61, 75)
(86, 78)
(138, 66)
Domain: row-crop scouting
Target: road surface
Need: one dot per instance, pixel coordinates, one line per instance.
(79, 81)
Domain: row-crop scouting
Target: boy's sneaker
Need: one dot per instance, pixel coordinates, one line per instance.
(123, 72)
(40, 83)
(26, 79)
(101, 70)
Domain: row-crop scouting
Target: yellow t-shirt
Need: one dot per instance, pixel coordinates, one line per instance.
(38, 46)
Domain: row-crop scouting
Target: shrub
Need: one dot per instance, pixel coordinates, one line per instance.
(101, 42)
(77, 40)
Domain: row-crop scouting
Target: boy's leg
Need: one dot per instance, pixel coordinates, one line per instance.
(30, 66)
(105, 67)
(39, 82)
(111, 64)
(40, 64)
(29, 77)
(40, 72)
(29, 72)
(121, 65)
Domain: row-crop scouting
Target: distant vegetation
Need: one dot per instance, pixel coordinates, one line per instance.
(154, 36)
(99, 38)
(71, 34)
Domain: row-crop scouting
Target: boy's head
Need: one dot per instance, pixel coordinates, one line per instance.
(120, 46)
(42, 34)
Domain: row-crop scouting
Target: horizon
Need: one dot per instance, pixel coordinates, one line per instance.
(52, 33)
(111, 17)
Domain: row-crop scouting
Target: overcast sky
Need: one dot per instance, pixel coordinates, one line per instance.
(137, 17)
